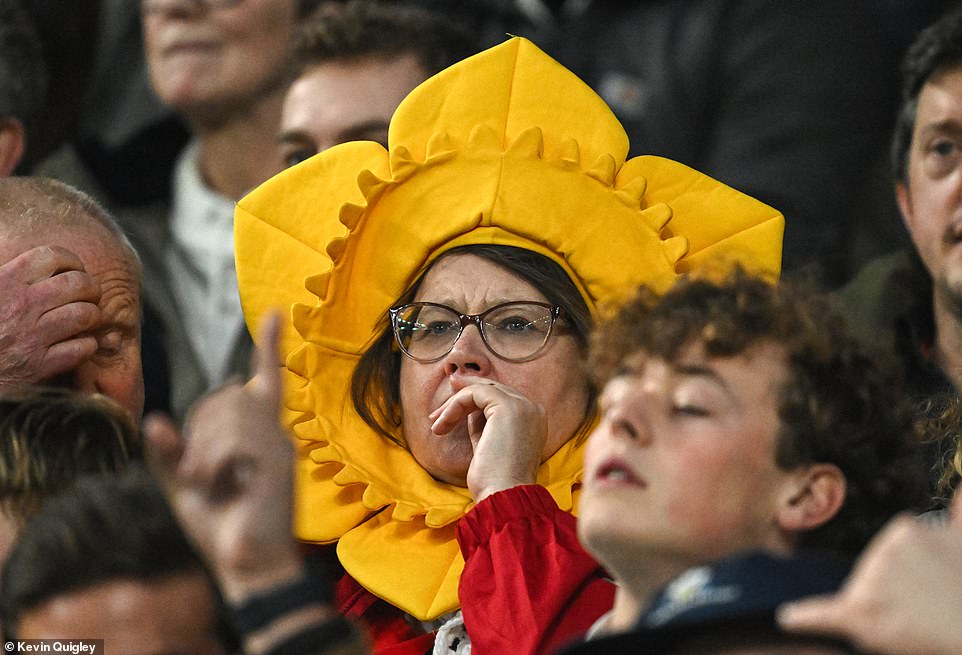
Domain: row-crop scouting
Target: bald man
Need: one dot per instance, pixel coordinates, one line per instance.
(69, 294)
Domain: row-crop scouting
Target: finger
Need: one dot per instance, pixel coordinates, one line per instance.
(482, 391)
(165, 447)
(454, 410)
(476, 423)
(67, 321)
(267, 373)
(469, 381)
(63, 288)
(42, 262)
(66, 356)
(823, 615)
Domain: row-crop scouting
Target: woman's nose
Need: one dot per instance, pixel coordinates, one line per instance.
(470, 355)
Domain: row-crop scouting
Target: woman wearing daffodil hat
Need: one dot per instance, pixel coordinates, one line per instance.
(440, 294)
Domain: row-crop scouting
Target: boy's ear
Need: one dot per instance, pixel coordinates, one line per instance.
(811, 498)
(12, 145)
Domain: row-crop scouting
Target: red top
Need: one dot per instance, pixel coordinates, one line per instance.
(528, 586)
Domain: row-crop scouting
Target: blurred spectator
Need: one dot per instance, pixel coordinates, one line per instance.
(107, 560)
(48, 439)
(69, 294)
(222, 68)
(353, 63)
(229, 478)
(104, 558)
(23, 80)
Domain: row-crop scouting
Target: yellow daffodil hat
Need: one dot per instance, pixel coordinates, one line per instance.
(506, 147)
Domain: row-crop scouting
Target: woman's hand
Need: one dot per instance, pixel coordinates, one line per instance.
(507, 432)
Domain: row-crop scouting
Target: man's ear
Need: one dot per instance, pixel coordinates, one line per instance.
(812, 496)
(12, 145)
(905, 206)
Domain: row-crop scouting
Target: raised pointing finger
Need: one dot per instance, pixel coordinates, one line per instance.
(267, 374)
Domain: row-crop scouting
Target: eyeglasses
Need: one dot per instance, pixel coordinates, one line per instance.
(513, 331)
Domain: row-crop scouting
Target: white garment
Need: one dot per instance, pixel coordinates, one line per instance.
(200, 264)
(452, 638)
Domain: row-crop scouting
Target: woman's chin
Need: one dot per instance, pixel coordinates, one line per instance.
(448, 458)
(452, 471)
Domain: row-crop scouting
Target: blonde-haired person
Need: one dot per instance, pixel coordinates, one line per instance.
(49, 438)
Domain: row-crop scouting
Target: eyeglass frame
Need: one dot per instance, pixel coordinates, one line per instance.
(556, 312)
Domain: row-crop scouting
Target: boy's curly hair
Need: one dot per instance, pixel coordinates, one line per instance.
(843, 402)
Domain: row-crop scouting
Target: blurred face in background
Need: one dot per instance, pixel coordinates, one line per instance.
(336, 101)
(211, 58)
(931, 204)
(176, 614)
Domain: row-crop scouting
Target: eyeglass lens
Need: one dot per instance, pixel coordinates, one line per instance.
(513, 331)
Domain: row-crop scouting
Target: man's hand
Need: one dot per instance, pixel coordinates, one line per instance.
(903, 596)
(229, 477)
(48, 308)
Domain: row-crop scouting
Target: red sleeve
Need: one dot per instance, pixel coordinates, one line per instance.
(389, 632)
(528, 586)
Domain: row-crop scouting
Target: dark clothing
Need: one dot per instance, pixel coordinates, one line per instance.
(788, 102)
(173, 374)
(891, 299)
